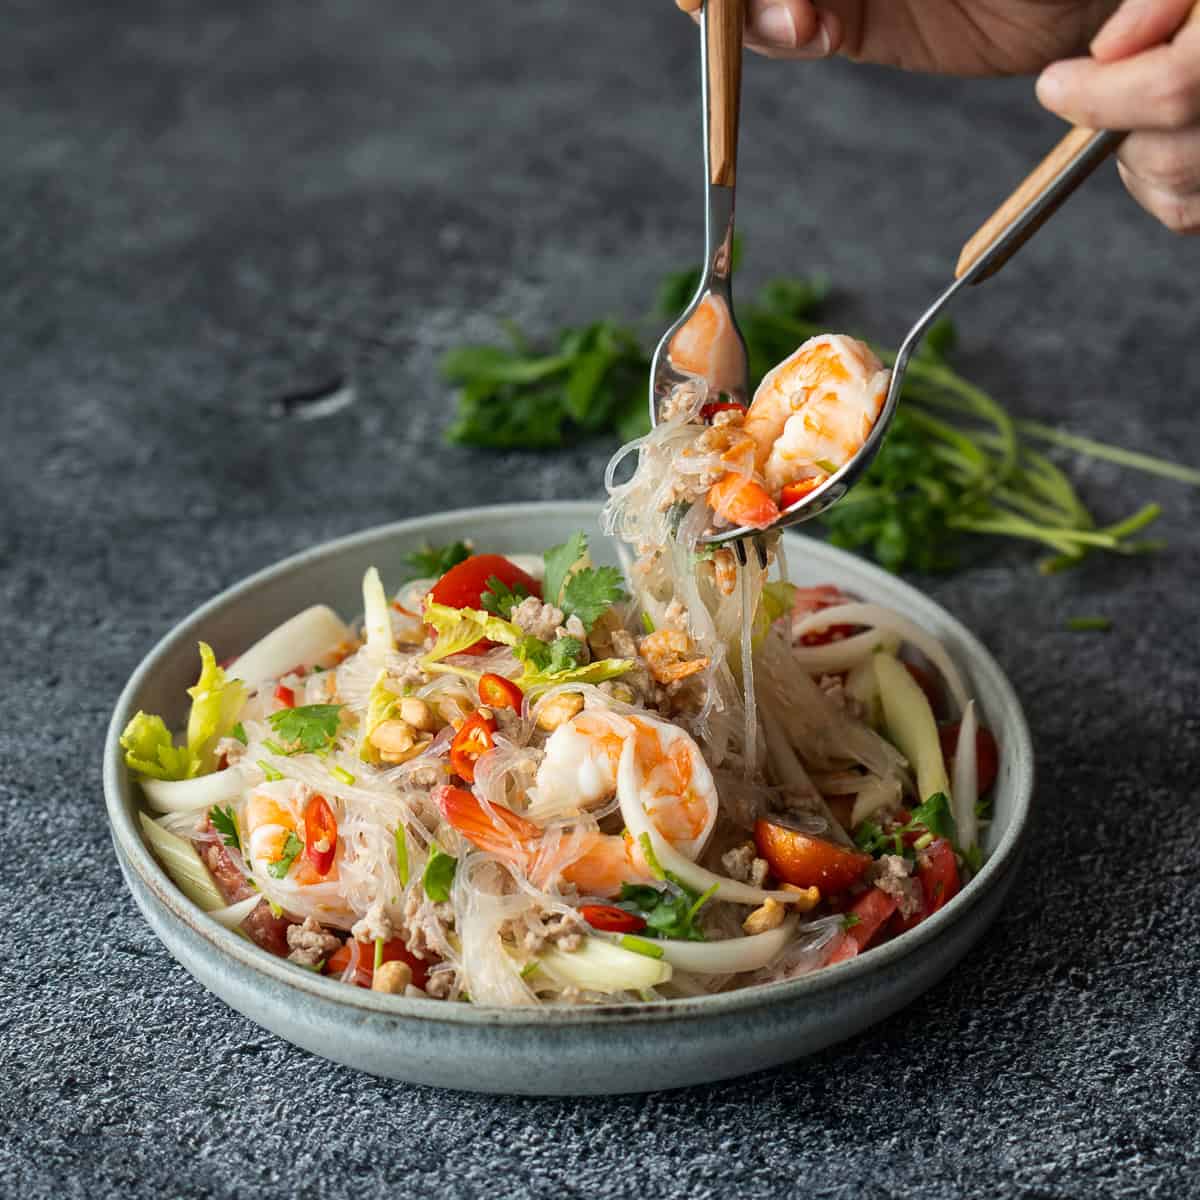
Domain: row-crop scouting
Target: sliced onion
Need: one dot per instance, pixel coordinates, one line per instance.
(879, 794)
(843, 655)
(303, 640)
(880, 618)
(188, 795)
(789, 770)
(377, 617)
(232, 915)
(731, 956)
(966, 781)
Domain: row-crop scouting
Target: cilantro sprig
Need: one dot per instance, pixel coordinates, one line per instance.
(292, 848)
(311, 728)
(669, 912)
(578, 588)
(432, 562)
(499, 599)
(933, 817)
(224, 821)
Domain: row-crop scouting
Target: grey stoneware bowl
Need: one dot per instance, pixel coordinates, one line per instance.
(557, 1051)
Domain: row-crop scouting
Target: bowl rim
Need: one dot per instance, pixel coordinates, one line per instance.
(122, 806)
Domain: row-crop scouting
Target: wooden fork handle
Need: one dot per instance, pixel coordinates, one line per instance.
(1070, 155)
(724, 22)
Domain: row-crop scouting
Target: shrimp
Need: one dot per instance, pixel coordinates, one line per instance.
(815, 410)
(670, 779)
(273, 814)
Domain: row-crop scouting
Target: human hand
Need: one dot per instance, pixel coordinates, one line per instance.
(1142, 78)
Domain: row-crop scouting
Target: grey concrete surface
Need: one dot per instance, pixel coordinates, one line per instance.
(207, 205)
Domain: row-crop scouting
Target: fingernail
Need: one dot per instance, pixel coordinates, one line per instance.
(776, 26)
(1050, 87)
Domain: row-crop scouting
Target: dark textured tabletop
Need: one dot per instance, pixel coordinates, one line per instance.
(207, 206)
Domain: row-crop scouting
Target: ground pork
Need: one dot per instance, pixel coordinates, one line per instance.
(309, 944)
(536, 619)
(743, 864)
(891, 874)
(374, 926)
(834, 688)
(425, 925)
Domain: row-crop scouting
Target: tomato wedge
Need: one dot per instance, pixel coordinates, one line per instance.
(867, 915)
(285, 696)
(741, 501)
(393, 951)
(463, 585)
(320, 834)
(937, 869)
(806, 861)
(472, 740)
(610, 919)
(719, 406)
(497, 692)
(987, 753)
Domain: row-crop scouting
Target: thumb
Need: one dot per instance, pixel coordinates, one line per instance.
(1139, 25)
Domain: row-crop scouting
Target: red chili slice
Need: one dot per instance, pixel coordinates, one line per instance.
(610, 919)
(719, 406)
(472, 740)
(497, 692)
(320, 834)
(285, 696)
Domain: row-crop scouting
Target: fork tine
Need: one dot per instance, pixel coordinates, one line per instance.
(739, 548)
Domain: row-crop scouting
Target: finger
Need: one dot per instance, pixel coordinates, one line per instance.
(1137, 25)
(1159, 89)
(784, 28)
(1169, 162)
(1180, 214)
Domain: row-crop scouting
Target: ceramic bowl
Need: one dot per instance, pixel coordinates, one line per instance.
(565, 1051)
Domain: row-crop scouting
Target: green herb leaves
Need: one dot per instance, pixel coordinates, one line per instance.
(517, 397)
(310, 728)
(560, 560)
(669, 912)
(292, 848)
(432, 562)
(499, 599)
(933, 818)
(439, 874)
(574, 585)
(224, 821)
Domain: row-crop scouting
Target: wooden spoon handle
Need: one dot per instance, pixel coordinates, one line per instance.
(1045, 189)
(723, 29)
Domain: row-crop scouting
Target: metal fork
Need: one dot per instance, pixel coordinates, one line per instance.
(708, 319)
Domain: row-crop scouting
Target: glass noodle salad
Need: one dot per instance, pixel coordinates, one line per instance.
(526, 780)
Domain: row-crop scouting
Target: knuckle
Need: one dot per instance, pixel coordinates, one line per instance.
(1179, 95)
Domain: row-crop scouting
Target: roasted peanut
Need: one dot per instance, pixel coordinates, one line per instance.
(559, 710)
(392, 977)
(418, 714)
(392, 737)
(804, 899)
(762, 920)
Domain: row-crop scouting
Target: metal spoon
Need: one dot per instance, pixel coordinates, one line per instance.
(705, 347)
(1033, 203)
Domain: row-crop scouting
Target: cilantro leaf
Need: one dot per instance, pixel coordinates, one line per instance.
(283, 864)
(499, 599)
(935, 816)
(533, 652)
(432, 562)
(439, 874)
(559, 561)
(590, 593)
(566, 654)
(669, 912)
(224, 821)
(311, 727)
(849, 920)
